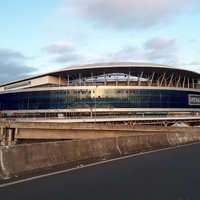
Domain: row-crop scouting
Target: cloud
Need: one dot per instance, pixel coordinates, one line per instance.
(12, 67)
(63, 52)
(10, 54)
(194, 66)
(195, 63)
(59, 48)
(161, 48)
(127, 53)
(69, 57)
(158, 50)
(158, 44)
(126, 14)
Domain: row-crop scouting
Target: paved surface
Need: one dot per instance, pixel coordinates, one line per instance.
(165, 175)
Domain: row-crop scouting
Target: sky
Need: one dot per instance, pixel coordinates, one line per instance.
(41, 36)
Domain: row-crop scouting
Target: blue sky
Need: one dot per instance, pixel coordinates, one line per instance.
(45, 35)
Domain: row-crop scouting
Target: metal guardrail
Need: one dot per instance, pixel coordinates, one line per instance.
(121, 117)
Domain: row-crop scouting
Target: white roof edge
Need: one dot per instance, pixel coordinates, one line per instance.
(121, 64)
(115, 64)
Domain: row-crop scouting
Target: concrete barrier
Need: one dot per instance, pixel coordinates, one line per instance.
(22, 159)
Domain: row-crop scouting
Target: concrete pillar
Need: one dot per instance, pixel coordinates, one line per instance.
(8, 136)
(11, 136)
(3, 136)
(2, 132)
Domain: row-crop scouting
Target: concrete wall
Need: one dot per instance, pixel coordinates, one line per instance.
(22, 159)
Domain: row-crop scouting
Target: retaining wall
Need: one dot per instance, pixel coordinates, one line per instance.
(22, 159)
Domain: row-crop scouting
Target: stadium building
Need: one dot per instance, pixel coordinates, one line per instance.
(108, 89)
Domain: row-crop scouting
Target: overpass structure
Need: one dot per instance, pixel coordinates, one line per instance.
(13, 131)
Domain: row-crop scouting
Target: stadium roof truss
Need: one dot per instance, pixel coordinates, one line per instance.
(113, 74)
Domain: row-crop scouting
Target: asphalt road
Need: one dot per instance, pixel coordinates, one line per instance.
(165, 175)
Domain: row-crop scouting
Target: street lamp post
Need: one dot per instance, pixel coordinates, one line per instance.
(91, 112)
(22, 108)
(95, 103)
(28, 104)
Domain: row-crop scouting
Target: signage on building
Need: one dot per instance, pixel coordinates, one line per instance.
(194, 99)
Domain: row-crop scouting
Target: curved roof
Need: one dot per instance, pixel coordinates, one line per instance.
(121, 67)
(133, 67)
(118, 64)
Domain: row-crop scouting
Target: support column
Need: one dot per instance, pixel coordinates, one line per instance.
(3, 136)
(8, 136)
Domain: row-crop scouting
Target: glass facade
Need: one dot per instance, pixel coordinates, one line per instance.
(100, 97)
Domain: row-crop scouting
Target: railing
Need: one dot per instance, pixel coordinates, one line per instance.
(121, 117)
